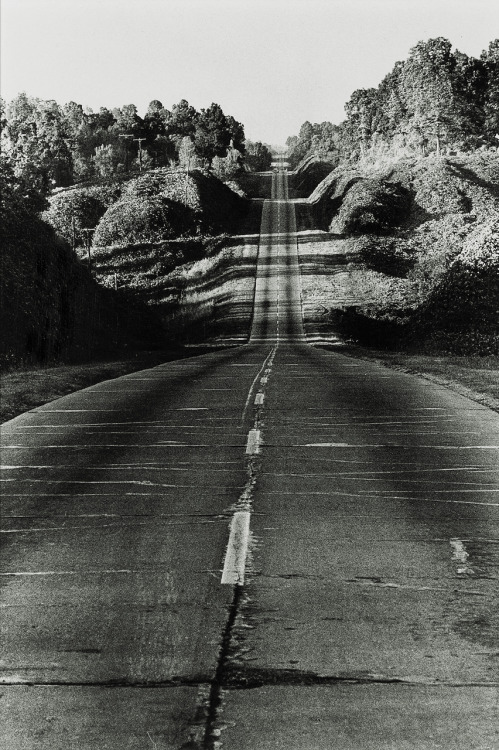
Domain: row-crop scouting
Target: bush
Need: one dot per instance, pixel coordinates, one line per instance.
(385, 256)
(72, 211)
(463, 309)
(372, 206)
(139, 218)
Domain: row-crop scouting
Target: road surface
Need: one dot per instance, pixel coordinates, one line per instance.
(272, 546)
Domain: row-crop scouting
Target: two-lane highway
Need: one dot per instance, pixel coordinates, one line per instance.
(268, 547)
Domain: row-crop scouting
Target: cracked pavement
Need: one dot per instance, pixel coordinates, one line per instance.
(359, 608)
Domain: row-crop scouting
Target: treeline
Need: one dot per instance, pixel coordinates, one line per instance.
(435, 100)
(49, 145)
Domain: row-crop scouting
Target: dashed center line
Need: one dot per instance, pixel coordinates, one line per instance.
(237, 549)
(253, 444)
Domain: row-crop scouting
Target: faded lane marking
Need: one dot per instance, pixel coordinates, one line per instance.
(237, 549)
(253, 444)
(460, 555)
(269, 358)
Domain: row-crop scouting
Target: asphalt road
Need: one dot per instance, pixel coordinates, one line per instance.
(272, 546)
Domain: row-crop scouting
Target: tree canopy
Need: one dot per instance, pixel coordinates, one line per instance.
(49, 145)
(435, 99)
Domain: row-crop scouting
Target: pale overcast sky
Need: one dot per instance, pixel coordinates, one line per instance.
(272, 64)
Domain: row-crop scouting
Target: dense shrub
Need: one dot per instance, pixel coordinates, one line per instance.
(385, 255)
(371, 205)
(463, 309)
(50, 306)
(72, 211)
(138, 218)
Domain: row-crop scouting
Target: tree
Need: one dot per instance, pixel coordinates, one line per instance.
(37, 143)
(187, 154)
(182, 121)
(426, 83)
(324, 142)
(362, 112)
(158, 145)
(258, 156)
(490, 58)
(236, 130)
(212, 136)
(106, 160)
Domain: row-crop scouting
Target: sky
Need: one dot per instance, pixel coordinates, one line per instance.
(271, 64)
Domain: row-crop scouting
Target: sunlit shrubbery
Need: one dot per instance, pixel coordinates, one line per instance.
(71, 212)
(463, 309)
(371, 206)
(138, 218)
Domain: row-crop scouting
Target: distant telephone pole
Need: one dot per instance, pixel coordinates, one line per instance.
(139, 140)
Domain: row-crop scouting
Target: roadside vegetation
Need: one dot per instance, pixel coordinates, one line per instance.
(124, 235)
(409, 257)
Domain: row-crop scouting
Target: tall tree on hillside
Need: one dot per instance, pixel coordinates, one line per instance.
(490, 58)
(362, 114)
(158, 145)
(53, 140)
(127, 128)
(236, 130)
(212, 136)
(258, 156)
(470, 88)
(391, 112)
(182, 122)
(79, 136)
(426, 84)
(324, 143)
(37, 144)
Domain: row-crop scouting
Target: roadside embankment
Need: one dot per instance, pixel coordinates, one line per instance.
(51, 307)
(408, 256)
(476, 378)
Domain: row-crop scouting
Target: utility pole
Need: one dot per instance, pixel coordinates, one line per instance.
(140, 151)
(87, 232)
(123, 135)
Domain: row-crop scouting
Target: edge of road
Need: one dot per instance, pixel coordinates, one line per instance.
(31, 387)
(428, 368)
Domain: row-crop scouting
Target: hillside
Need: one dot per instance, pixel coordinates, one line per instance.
(51, 308)
(164, 238)
(401, 241)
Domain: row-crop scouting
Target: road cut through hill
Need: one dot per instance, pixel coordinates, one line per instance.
(270, 546)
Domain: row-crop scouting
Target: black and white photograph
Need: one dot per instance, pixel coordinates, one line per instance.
(249, 372)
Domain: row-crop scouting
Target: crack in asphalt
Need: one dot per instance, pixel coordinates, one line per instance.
(248, 678)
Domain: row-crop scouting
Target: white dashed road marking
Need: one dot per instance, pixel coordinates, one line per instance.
(253, 444)
(237, 549)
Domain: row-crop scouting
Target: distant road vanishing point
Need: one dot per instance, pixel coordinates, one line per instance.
(270, 546)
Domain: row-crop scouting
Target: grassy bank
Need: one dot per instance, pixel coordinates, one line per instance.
(25, 389)
(408, 253)
(476, 378)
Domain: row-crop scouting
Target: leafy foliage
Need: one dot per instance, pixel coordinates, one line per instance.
(72, 211)
(50, 146)
(50, 306)
(258, 156)
(436, 100)
(371, 205)
(136, 219)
